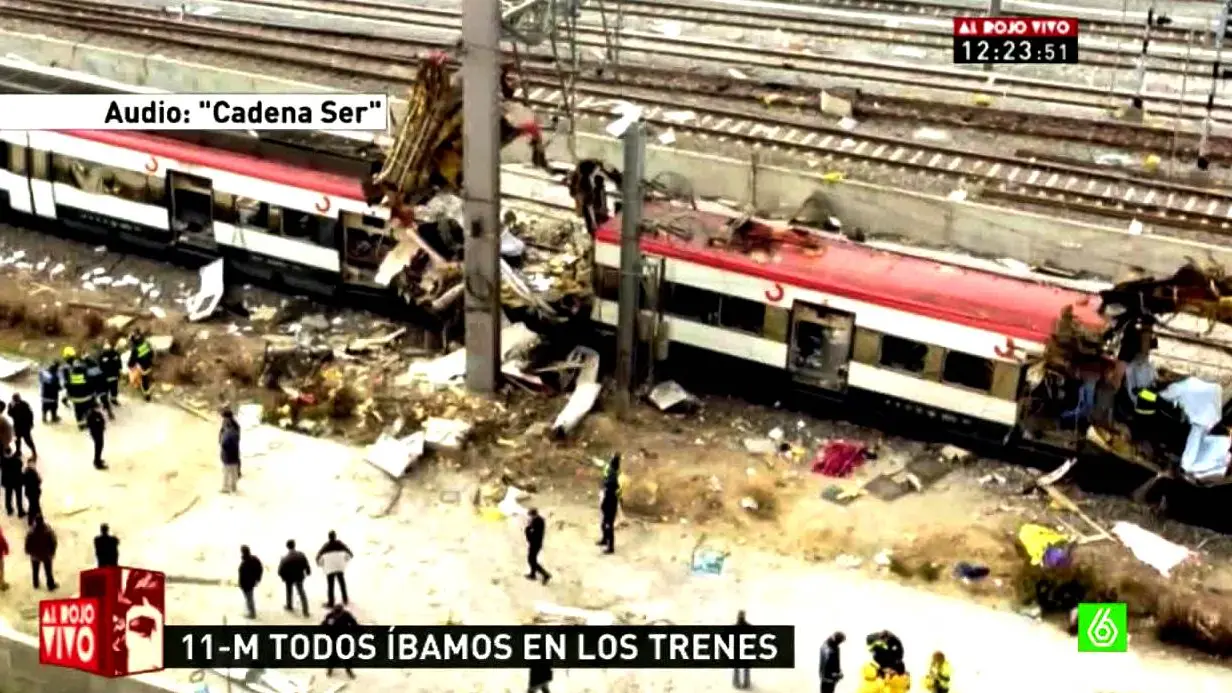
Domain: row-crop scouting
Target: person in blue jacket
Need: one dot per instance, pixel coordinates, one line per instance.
(49, 392)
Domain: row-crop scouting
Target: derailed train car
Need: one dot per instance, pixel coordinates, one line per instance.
(1019, 362)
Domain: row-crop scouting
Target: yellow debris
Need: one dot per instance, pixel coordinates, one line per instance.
(982, 100)
(832, 176)
(1151, 162)
(1037, 539)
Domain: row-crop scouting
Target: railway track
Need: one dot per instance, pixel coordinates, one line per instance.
(788, 64)
(378, 63)
(1083, 189)
(1109, 193)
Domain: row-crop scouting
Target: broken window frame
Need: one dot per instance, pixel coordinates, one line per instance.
(896, 343)
(699, 310)
(741, 314)
(961, 361)
(151, 190)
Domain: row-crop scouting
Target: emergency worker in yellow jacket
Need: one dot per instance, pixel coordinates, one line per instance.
(141, 364)
(937, 680)
(874, 679)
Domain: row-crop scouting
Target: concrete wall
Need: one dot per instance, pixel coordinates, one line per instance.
(20, 672)
(916, 218)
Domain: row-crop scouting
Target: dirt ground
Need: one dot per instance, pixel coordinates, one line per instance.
(687, 478)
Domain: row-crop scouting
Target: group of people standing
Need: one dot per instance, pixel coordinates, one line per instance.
(885, 673)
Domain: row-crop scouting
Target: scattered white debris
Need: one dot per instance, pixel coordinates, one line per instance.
(1135, 228)
(776, 435)
(10, 368)
(510, 505)
(910, 52)
(932, 135)
(1150, 548)
(670, 29)
(953, 453)
(585, 392)
(396, 456)
(958, 195)
(760, 446)
(669, 394)
(749, 504)
(848, 123)
(447, 434)
(159, 313)
(679, 117)
(736, 74)
(666, 137)
(205, 302)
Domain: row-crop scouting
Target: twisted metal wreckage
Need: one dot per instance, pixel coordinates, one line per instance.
(1148, 385)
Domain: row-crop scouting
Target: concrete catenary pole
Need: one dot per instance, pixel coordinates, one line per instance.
(1221, 31)
(630, 263)
(481, 102)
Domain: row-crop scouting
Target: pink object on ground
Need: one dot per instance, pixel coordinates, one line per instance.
(838, 458)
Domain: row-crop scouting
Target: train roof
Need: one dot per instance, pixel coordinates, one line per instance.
(1011, 306)
(313, 149)
(231, 162)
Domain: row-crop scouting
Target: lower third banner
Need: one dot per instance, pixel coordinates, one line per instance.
(492, 647)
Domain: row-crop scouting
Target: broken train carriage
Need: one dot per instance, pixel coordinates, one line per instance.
(1147, 384)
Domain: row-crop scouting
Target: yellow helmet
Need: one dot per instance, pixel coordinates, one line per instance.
(68, 353)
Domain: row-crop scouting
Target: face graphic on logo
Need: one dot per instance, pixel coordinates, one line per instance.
(143, 637)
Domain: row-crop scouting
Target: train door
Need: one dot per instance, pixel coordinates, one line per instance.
(819, 349)
(190, 205)
(651, 306)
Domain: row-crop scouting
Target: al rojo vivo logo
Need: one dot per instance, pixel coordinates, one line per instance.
(1103, 628)
(115, 628)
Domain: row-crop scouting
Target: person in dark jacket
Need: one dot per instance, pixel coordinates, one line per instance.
(32, 484)
(49, 392)
(293, 569)
(609, 504)
(740, 675)
(97, 383)
(10, 479)
(333, 558)
(106, 547)
(535, 529)
(251, 571)
(112, 364)
(339, 618)
(97, 426)
(540, 678)
(887, 651)
(229, 451)
(830, 667)
(41, 548)
(22, 417)
(141, 360)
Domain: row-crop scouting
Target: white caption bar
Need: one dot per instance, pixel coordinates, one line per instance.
(356, 112)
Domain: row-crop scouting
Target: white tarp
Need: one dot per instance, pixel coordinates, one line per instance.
(213, 285)
(585, 393)
(396, 456)
(11, 368)
(1150, 548)
(1202, 402)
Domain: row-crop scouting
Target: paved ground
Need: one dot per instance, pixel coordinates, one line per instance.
(433, 556)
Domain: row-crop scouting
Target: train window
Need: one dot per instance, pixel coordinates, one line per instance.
(777, 324)
(224, 208)
(274, 221)
(903, 354)
(742, 314)
(373, 222)
(64, 169)
(17, 159)
(40, 164)
(156, 188)
(130, 186)
(694, 304)
(252, 212)
(967, 370)
(607, 283)
(867, 348)
(313, 228)
(1005, 380)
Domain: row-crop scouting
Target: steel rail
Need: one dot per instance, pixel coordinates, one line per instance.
(969, 82)
(1138, 137)
(1094, 191)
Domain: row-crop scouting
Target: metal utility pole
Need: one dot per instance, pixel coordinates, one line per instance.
(630, 262)
(481, 149)
(1152, 20)
(1216, 76)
